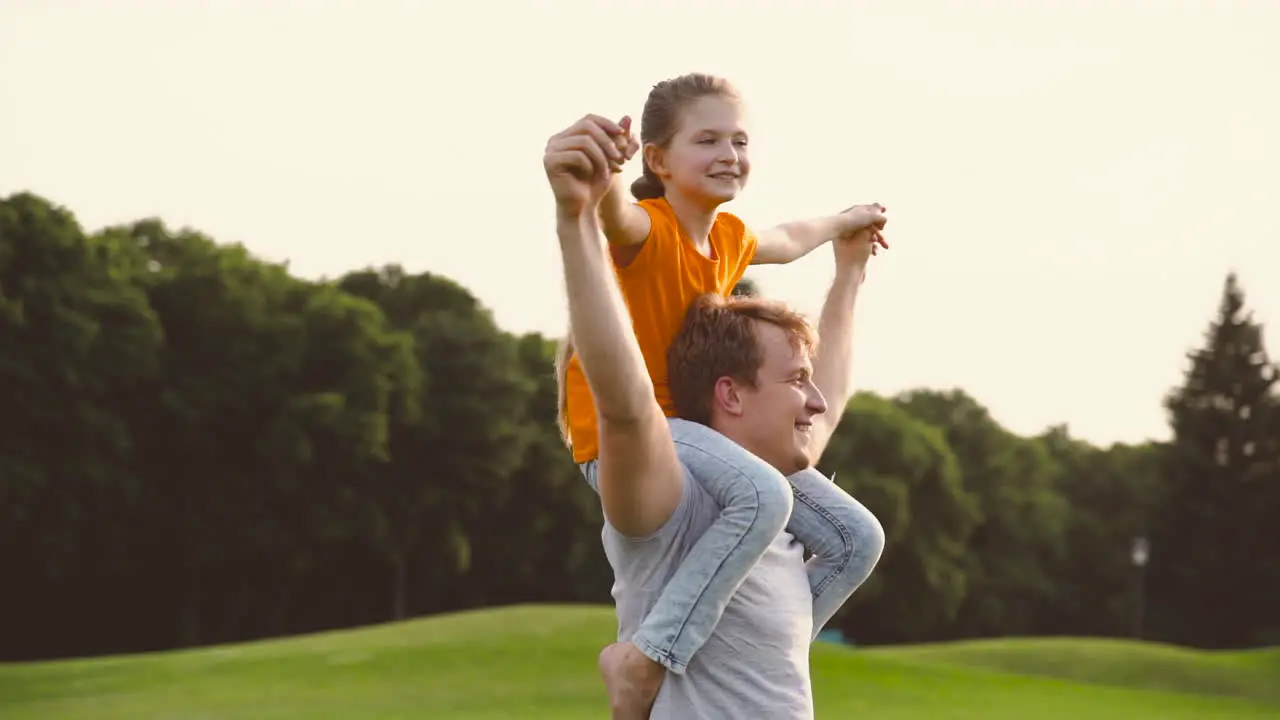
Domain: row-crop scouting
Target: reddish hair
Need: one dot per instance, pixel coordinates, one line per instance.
(719, 339)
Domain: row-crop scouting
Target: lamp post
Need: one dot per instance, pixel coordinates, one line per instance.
(1140, 552)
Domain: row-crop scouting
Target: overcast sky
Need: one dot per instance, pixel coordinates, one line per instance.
(1068, 182)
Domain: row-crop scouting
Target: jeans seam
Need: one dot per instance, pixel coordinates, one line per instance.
(660, 656)
(666, 651)
(845, 536)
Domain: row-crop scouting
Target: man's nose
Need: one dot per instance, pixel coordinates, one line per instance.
(817, 404)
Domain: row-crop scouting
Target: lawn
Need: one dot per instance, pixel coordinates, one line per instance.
(539, 662)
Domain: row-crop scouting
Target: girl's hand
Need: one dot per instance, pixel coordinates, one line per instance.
(865, 217)
(626, 141)
(581, 160)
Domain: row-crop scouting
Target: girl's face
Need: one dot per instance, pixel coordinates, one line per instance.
(706, 161)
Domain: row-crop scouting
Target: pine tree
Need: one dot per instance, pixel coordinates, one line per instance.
(1214, 573)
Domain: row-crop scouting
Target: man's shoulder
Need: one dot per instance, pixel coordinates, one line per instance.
(695, 511)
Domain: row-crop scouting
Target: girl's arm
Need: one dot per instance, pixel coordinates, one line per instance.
(623, 222)
(793, 240)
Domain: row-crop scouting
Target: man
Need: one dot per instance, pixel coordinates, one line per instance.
(743, 367)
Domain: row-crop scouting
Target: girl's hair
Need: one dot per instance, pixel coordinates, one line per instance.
(563, 354)
(658, 124)
(661, 119)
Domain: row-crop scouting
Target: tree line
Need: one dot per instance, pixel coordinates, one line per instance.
(197, 447)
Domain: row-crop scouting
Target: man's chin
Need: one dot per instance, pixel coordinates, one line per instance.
(799, 461)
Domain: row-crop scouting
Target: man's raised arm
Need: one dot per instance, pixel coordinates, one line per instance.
(831, 368)
(602, 335)
(640, 480)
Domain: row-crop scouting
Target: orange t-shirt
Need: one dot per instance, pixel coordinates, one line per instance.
(659, 285)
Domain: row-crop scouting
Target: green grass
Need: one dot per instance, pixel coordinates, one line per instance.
(1253, 674)
(539, 662)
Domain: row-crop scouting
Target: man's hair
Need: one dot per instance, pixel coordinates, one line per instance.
(719, 339)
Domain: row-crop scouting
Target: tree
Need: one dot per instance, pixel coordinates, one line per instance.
(544, 538)
(904, 472)
(1212, 582)
(220, 455)
(270, 400)
(1019, 538)
(449, 470)
(197, 447)
(78, 340)
(1110, 495)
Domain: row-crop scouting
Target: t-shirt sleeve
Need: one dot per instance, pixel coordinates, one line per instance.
(740, 249)
(664, 235)
(693, 500)
(750, 244)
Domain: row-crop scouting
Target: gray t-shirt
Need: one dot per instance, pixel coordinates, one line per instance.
(755, 666)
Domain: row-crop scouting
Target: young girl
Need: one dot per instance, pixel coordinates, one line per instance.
(669, 248)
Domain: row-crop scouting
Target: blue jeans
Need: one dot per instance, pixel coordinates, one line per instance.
(757, 503)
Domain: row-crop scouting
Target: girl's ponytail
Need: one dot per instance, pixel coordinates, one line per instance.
(648, 186)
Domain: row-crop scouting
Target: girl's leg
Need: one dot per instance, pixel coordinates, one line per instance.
(756, 503)
(845, 538)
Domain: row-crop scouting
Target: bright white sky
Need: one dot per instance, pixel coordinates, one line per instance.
(1068, 182)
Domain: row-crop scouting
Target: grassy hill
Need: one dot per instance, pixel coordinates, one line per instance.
(539, 662)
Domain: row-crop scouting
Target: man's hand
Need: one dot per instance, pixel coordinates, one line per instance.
(853, 252)
(580, 161)
(864, 217)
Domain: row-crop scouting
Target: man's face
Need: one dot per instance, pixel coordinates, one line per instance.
(776, 416)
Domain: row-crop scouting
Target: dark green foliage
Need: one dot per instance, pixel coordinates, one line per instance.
(198, 447)
(1216, 553)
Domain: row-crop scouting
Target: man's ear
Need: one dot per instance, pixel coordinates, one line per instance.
(727, 396)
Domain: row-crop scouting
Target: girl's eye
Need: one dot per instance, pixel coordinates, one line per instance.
(740, 143)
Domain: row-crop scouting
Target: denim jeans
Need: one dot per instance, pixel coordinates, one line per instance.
(757, 503)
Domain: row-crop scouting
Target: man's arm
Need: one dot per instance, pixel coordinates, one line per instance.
(605, 345)
(641, 483)
(831, 368)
